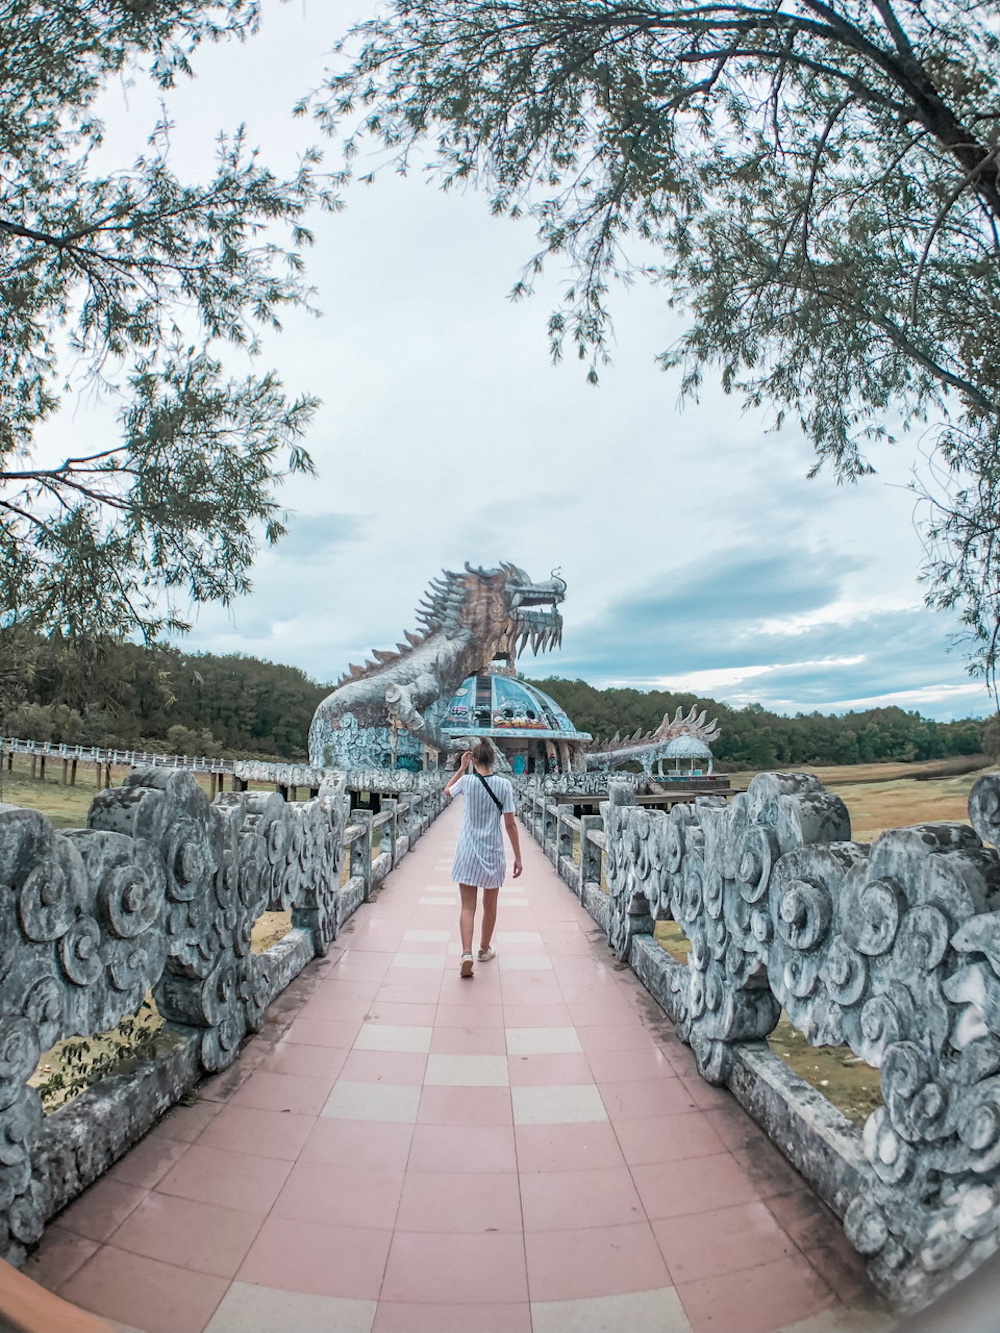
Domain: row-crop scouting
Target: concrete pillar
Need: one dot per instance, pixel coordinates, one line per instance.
(361, 849)
(590, 853)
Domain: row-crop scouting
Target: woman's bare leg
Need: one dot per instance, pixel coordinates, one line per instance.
(490, 897)
(467, 920)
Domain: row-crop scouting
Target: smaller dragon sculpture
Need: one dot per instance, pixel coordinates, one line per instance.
(468, 619)
(647, 748)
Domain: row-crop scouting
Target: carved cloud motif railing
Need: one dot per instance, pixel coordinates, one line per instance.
(892, 949)
(160, 892)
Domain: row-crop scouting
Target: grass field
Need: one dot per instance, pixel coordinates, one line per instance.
(66, 807)
(886, 796)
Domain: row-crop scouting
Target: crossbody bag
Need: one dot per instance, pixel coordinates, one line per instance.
(493, 796)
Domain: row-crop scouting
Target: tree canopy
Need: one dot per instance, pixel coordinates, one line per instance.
(817, 180)
(133, 696)
(754, 737)
(159, 697)
(127, 278)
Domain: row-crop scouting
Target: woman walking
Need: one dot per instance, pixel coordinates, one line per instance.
(479, 857)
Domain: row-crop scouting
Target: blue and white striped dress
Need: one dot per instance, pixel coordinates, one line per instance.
(479, 856)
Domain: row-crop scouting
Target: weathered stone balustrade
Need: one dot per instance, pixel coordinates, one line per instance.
(161, 891)
(892, 949)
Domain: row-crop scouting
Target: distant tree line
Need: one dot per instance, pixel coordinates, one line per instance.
(752, 737)
(123, 695)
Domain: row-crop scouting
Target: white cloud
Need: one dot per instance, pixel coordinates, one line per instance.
(961, 700)
(446, 434)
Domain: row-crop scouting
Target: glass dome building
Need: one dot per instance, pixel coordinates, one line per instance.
(529, 728)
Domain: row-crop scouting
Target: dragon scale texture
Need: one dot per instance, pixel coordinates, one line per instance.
(647, 749)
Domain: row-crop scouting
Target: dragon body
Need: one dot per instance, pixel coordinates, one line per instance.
(647, 748)
(387, 710)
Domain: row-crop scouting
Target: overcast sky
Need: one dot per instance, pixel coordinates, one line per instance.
(698, 555)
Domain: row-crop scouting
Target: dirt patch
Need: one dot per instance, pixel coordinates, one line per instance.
(269, 928)
(672, 938)
(851, 1085)
(842, 1077)
(73, 1065)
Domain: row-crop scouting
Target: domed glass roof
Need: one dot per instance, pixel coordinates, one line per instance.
(490, 705)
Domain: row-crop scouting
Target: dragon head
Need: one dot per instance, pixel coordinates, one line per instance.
(503, 608)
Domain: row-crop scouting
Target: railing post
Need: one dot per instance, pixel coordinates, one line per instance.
(407, 825)
(361, 850)
(564, 834)
(590, 853)
(388, 843)
(550, 821)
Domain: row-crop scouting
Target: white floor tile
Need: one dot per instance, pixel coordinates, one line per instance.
(395, 1102)
(637, 1311)
(574, 1104)
(390, 1037)
(542, 1041)
(247, 1308)
(428, 962)
(466, 1071)
(426, 936)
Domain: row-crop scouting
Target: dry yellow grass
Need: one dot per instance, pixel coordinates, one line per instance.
(886, 796)
(830, 774)
(879, 806)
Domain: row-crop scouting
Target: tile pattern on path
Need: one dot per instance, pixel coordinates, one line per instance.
(402, 1151)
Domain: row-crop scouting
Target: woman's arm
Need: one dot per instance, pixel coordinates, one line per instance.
(459, 772)
(510, 824)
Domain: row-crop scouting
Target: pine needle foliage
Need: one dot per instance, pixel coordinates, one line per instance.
(126, 280)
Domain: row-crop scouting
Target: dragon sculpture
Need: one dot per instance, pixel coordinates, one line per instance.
(388, 709)
(647, 749)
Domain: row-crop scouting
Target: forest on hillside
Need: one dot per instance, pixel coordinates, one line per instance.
(754, 738)
(124, 695)
(129, 696)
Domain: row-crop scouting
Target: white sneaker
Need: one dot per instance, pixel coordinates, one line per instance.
(486, 954)
(466, 968)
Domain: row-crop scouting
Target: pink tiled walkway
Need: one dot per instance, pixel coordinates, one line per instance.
(403, 1151)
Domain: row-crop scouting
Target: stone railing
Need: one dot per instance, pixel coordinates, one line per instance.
(892, 949)
(160, 892)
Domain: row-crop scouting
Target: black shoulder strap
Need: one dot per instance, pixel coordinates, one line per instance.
(493, 796)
